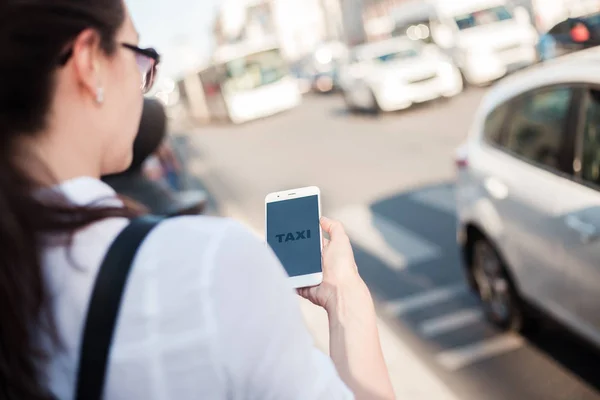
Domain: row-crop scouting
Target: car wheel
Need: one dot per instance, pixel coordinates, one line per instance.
(465, 81)
(375, 108)
(348, 101)
(501, 302)
(468, 84)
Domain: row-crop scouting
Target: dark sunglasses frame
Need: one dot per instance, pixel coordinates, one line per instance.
(149, 52)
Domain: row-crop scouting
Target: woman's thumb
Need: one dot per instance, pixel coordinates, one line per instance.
(332, 227)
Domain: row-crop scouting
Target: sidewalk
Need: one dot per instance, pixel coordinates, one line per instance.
(411, 378)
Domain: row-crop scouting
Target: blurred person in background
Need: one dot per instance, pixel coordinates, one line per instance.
(154, 178)
(207, 312)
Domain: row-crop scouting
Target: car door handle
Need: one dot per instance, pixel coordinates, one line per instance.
(496, 188)
(587, 232)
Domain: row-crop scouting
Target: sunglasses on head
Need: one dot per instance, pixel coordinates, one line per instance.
(146, 59)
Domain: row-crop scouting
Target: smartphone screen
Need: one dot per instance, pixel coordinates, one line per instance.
(293, 234)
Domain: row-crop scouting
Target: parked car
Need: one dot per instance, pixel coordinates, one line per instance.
(303, 71)
(326, 81)
(487, 38)
(394, 74)
(570, 35)
(326, 61)
(528, 196)
(548, 13)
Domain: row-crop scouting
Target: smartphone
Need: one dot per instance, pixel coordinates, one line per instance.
(294, 233)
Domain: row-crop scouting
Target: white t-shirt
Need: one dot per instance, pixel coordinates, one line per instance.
(207, 314)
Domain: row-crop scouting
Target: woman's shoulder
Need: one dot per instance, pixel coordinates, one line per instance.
(196, 233)
(197, 225)
(201, 242)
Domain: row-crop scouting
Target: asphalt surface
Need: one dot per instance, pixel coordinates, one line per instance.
(390, 180)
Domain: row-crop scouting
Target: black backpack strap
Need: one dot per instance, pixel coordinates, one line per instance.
(103, 309)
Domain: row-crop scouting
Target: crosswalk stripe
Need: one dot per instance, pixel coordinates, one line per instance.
(461, 357)
(440, 198)
(425, 299)
(450, 322)
(394, 245)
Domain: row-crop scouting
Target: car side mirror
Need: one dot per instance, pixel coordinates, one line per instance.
(580, 33)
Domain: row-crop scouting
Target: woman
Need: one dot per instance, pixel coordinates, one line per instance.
(207, 313)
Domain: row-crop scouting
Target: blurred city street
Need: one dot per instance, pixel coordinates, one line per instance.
(389, 178)
(174, 173)
(370, 100)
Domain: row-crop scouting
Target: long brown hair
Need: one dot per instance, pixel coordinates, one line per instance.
(33, 36)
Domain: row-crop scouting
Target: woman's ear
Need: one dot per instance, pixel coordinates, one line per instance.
(87, 64)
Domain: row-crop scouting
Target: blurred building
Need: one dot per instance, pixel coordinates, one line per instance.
(370, 20)
(352, 21)
(228, 24)
(219, 34)
(332, 10)
(379, 17)
(298, 25)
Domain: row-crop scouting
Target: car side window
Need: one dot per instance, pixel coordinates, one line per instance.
(492, 128)
(590, 162)
(538, 126)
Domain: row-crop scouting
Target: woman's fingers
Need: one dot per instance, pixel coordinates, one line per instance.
(310, 293)
(332, 227)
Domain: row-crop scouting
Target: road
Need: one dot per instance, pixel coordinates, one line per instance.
(390, 180)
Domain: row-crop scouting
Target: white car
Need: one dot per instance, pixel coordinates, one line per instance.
(528, 196)
(395, 73)
(488, 38)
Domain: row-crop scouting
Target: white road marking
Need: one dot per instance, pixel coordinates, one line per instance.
(462, 356)
(425, 299)
(450, 322)
(440, 198)
(411, 378)
(394, 245)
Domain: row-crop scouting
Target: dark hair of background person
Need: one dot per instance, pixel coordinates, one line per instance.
(152, 132)
(33, 36)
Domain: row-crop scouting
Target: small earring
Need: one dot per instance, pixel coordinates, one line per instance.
(100, 95)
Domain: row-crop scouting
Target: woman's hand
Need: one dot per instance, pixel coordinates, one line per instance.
(340, 273)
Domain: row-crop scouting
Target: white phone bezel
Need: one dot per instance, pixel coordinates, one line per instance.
(308, 280)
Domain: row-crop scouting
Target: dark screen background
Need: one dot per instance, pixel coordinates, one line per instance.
(299, 257)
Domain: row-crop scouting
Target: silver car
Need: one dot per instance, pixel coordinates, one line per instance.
(528, 196)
